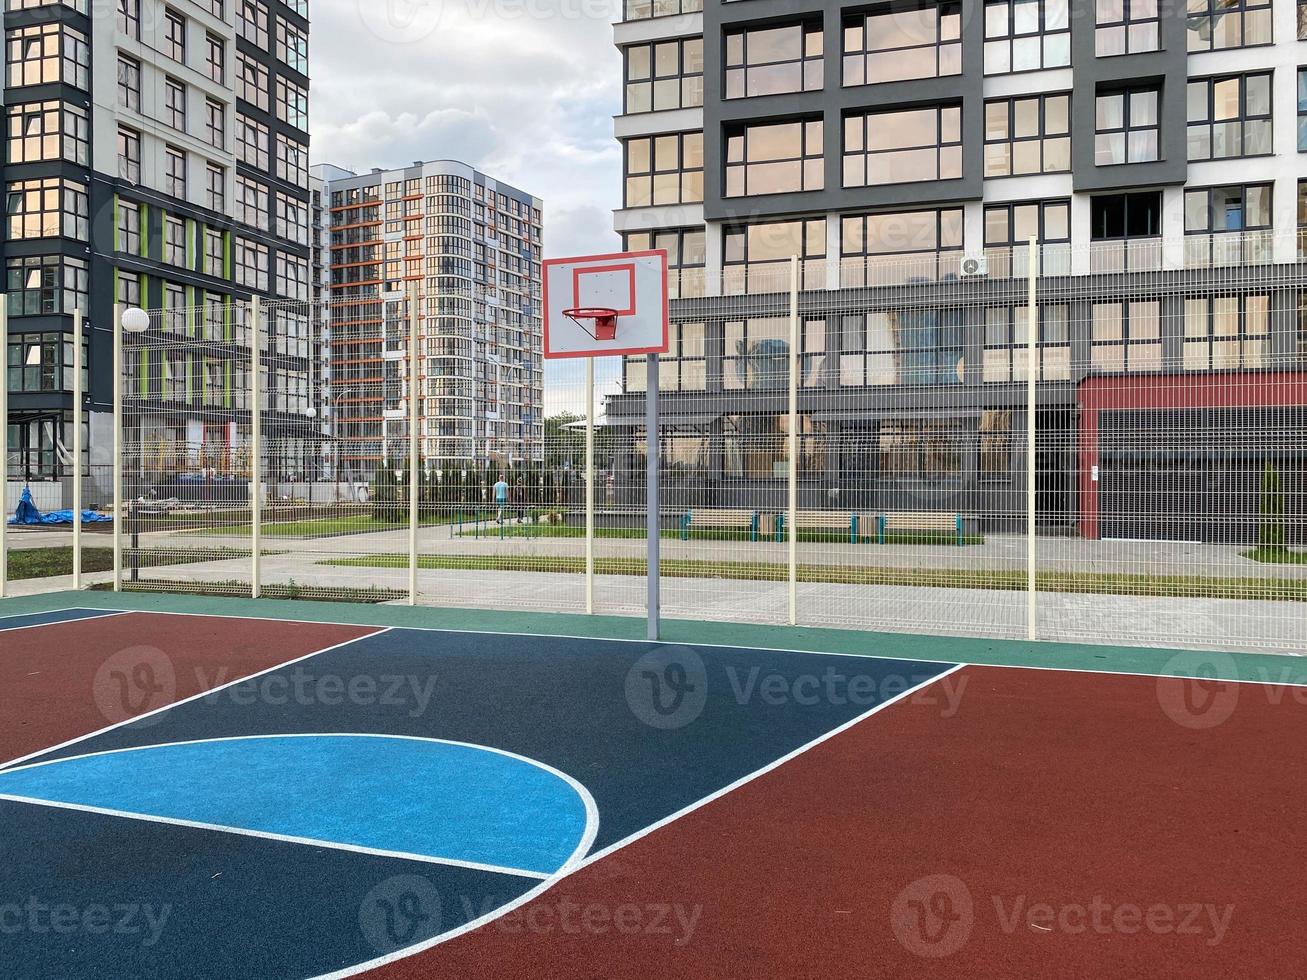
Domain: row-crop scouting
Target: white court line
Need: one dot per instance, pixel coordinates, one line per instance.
(583, 845)
(378, 631)
(99, 614)
(567, 871)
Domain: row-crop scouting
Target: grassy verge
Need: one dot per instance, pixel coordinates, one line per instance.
(290, 590)
(318, 527)
(1277, 556)
(1189, 586)
(49, 562)
(492, 530)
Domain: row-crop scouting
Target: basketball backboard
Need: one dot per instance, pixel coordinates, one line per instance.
(606, 305)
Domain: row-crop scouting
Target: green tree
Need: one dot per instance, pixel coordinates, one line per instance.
(1271, 529)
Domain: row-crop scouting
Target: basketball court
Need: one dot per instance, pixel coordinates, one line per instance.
(217, 788)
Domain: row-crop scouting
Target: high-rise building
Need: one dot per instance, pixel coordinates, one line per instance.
(471, 248)
(155, 157)
(1150, 149)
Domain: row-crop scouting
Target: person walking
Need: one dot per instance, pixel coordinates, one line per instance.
(501, 497)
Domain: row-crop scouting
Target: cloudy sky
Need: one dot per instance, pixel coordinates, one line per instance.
(524, 90)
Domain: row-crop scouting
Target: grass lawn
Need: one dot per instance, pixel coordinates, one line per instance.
(1277, 556)
(49, 562)
(318, 527)
(1192, 586)
(273, 590)
(492, 530)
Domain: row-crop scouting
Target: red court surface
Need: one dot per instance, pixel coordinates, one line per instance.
(1059, 824)
(63, 680)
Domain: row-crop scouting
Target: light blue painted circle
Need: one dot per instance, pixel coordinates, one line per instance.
(441, 800)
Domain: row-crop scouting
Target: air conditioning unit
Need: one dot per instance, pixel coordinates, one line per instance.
(975, 265)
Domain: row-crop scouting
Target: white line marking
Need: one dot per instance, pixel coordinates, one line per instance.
(99, 614)
(573, 862)
(567, 871)
(377, 631)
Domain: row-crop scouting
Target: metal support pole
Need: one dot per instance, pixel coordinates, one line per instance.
(119, 514)
(4, 454)
(589, 485)
(77, 450)
(792, 508)
(653, 524)
(256, 448)
(414, 401)
(1032, 371)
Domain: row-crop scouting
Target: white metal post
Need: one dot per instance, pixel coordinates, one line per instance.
(414, 400)
(792, 508)
(77, 449)
(1032, 371)
(256, 448)
(4, 453)
(653, 516)
(118, 512)
(589, 485)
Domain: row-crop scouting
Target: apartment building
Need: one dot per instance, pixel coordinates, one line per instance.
(471, 248)
(1155, 152)
(156, 156)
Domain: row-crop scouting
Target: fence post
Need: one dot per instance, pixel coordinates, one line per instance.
(792, 505)
(414, 380)
(256, 448)
(1032, 370)
(589, 485)
(4, 453)
(77, 449)
(118, 513)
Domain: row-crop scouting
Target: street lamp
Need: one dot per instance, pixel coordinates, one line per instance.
(135, 320)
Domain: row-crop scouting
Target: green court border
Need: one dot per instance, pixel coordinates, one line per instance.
(1271, 668)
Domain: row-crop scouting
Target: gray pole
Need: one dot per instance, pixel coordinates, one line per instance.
(651, 493)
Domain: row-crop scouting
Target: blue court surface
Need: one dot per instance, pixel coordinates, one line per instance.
(268, 828)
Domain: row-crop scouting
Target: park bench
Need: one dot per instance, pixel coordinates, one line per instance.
(821, 520)
(719, 519)
(912, 520)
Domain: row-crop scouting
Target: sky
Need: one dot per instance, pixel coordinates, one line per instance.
(523, 90)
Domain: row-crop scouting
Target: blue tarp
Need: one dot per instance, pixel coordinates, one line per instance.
(29, 516)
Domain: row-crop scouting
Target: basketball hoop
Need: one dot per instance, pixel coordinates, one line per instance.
(604, 321)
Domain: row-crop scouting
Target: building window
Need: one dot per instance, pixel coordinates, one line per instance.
(756, 258)
(47, 207)
(1230, 117)
(129, 289)
(215, 252)
(252, 22)
(912, 345)
(292, 218)
(174, 104)
(1227, 225)
(129, 155)
(1126, 230)
(174, 172)
(646, 9)
(44, 284)
(774, 60)
(664, 170)
(129, 83)
(903, 146)
(215, 190)
(41, 54)
(174, 36)
(252, 203)
(292, 46)
(774, 158)
(682, 368)
(215, 123)
(996, 445)
(1126, 125)
(1127, 337)
(1226, 333)
(129, 228)
(686, 257)
(1026, 35)
(1028, 136)
(129, 18)
(252, 81)
(1007, 344)
(292, 104)
(252, 264)
(1216, 24)
(292, 161)
(1126, 27)
(665, 75)
(894, 45)
(292, 277)
(174, 241)
(252, 141)
(889, 248)
(52, 130)
(215, 58)
(1302, 110)
(42, 362)
(1009, 228)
